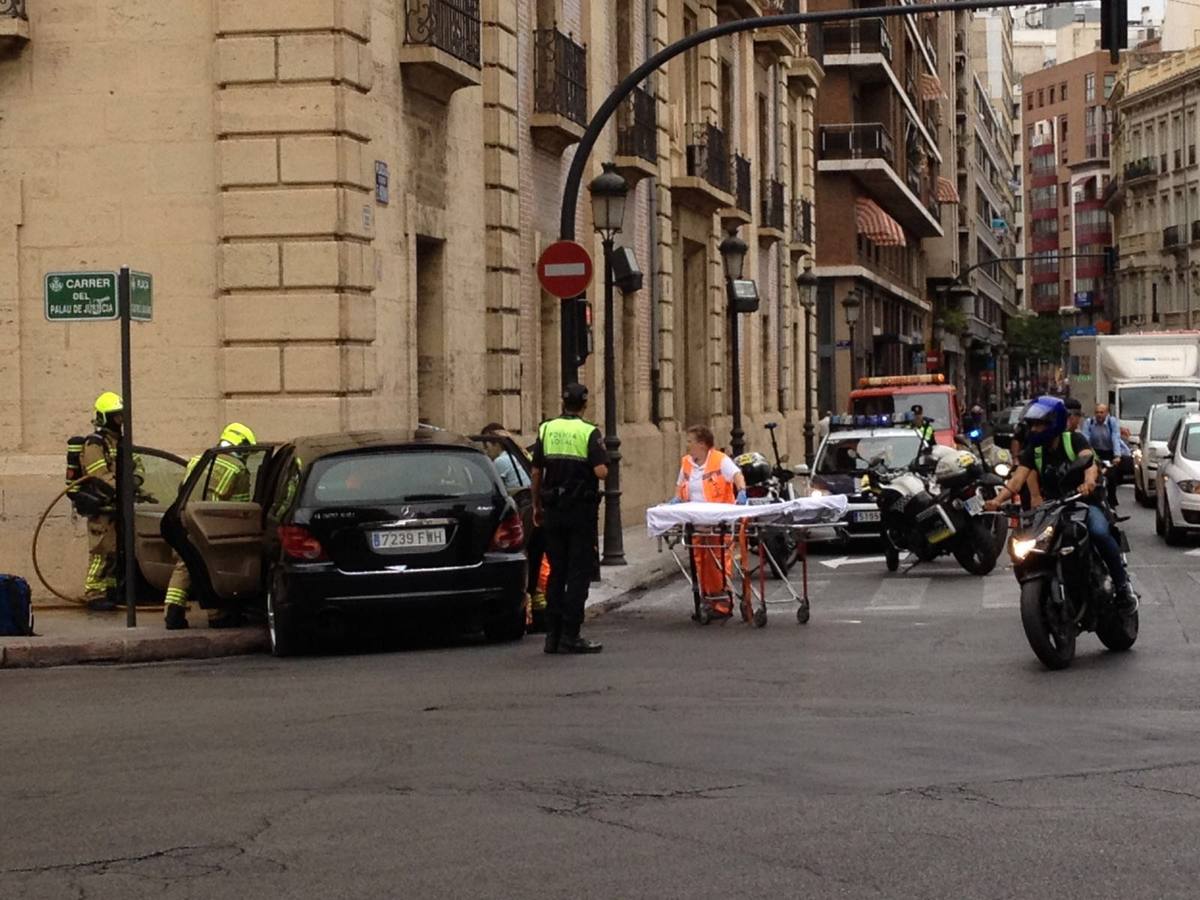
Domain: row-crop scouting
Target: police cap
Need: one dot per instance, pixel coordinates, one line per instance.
(575, 394)
(918, 409)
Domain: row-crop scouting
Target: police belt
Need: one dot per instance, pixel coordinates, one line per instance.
(578, 492)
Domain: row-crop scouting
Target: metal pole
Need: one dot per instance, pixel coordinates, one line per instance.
(614, 540)
(125, 470)
(737, 442)
(853, 356)
(808, 379)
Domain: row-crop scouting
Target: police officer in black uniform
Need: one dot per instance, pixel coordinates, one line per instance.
(568, 460)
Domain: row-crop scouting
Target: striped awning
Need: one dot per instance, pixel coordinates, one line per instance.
(930, 87)
(876, 225)
(945, 191)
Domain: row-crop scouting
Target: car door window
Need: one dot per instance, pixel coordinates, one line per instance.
(158, 475)
(511, 462)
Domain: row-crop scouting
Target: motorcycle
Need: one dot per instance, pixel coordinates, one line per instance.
(935, 507)
(1065, 586)
(766, 483)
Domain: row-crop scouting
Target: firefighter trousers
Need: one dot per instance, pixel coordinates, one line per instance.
(102, 557)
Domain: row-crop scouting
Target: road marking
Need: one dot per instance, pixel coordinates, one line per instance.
(1195, 552)
(852, 561)
(897, 595)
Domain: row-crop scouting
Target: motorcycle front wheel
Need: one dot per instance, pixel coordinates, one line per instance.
(1052, 642)
(976, 551)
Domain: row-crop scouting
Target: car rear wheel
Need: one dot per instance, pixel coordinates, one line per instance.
(506, 628)
(1141, 496)
(286, 637)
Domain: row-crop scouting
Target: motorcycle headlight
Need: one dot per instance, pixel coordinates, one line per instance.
(1003, 469)
(1022, 548)
(818, 492)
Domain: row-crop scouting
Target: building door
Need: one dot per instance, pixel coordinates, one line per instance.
(691, 338)
(431, 333)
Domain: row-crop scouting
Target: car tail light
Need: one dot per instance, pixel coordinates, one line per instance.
(299, 543)
(510, 535)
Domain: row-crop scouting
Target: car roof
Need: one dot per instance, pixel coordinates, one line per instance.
(1185, 405)
(312, 447)
(868, 432)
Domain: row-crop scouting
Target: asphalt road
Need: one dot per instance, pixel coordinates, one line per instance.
(905, 743)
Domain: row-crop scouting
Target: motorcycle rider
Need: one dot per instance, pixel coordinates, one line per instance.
(1046, 463)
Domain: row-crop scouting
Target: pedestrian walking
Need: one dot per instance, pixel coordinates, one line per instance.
(569, 459)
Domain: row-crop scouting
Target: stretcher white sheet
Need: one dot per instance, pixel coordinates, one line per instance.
(662, 518)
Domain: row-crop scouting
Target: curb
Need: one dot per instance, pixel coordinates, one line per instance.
(628, 595)
(35, 654)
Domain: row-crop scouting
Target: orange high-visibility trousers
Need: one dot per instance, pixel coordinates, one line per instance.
(713, 580)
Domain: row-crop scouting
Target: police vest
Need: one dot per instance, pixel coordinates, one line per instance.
(566, 439)
(925, 432)
(1068, 449)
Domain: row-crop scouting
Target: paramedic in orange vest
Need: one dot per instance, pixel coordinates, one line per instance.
(709, 476)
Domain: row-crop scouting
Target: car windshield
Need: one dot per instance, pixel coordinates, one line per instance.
(936, 405)
(399, 476)
(1135, 402)
(1191, 441)
(844, 456)
(1162, 423)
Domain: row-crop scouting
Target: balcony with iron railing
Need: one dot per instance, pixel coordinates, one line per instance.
(1195, 230)
(1173, 237)
(1135, 171)
(740, 213)
(559, 90)
(441, 50)
(802, 225)
(771, 210)
(706, 182)
(806, 72)
(637, 136)
(785, 40)
(14, 24)
(846, 40)
(865, 150)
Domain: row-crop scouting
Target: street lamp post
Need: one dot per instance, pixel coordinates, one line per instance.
(806, 287)
(608, 191)
(852, 304)
(733, 253)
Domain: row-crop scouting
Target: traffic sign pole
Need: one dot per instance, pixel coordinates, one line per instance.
(125, 472)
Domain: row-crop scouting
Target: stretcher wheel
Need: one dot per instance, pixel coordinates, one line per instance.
(802, 613)
(760, 617)
(893, 557)
(703, 615)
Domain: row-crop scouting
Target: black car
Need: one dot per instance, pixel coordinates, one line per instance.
(362, 524)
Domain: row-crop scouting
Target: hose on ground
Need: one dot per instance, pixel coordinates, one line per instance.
(37, 533)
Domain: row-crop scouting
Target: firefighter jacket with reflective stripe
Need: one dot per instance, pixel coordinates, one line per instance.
(228, 481)
(716, 488)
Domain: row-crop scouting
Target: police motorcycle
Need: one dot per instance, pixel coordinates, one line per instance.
(934, 507)
(766, 483)
(1065, 586)
(998, 461)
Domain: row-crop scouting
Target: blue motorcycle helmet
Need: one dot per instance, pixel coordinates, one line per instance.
(1051, 412)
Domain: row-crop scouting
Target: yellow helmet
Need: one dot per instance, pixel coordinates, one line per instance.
(107, 404)
(236, 434)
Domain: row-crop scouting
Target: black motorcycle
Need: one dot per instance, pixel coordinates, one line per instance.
(931, 514)
(767, 483)
(1065, 586)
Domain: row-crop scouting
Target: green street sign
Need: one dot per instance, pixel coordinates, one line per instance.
(81, 296)
(141, 296)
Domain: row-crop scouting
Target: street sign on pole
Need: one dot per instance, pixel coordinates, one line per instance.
(565, 269)
(81, 296)
(141, 296)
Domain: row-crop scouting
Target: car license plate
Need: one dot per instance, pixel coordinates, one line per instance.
(974, 505)
(400, 539)
(868, 516)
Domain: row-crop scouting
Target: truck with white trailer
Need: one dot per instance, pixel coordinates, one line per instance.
(1132, 372)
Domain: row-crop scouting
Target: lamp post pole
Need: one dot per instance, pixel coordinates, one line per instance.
(733, 253)
(852, 304)
(608, 191)
(806, 284)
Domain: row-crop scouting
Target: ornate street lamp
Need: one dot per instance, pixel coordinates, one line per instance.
(609, 191)
(852, 304)
(733, 254)
(806, 289)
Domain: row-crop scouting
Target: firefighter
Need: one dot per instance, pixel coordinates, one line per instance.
(568, 460)
(228, 482)
(707, 475)
(98, 459)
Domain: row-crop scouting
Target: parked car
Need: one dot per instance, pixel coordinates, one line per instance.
(362, 524)
(1177, 512)
(844, 458)
(1160, 421)
(1005, 422)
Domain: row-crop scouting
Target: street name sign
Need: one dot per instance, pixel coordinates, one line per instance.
(141, 296)
(565, 269)
(81, 296)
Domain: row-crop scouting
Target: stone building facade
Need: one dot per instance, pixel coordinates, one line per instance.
(342, 203)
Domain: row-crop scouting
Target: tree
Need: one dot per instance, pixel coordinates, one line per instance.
(1034, 337)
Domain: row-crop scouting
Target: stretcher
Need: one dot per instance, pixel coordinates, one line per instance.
(735, 541)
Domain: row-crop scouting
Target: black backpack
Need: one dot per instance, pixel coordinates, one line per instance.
(16, 610)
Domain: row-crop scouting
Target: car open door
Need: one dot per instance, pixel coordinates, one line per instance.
(159, 474)
(221, 540)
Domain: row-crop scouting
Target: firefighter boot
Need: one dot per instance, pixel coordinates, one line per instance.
(176, 617)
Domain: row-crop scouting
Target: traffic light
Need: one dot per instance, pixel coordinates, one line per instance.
(578, 325)
(1114, 27)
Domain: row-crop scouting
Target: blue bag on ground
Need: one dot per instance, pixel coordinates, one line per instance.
(16, 610)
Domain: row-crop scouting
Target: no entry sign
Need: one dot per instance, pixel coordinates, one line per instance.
(565, 269)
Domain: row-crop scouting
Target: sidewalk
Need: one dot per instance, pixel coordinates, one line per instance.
(67, 637)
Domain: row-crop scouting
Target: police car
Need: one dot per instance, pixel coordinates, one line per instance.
(853, 444)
